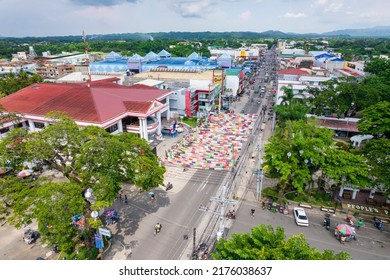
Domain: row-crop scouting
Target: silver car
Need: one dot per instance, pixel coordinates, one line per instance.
(301, 217)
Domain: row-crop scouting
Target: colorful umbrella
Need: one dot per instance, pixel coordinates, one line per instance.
(345, 229)
(25, 173)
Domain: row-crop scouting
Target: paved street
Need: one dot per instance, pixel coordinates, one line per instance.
(12, 246)
(370, 244)
(177, 210)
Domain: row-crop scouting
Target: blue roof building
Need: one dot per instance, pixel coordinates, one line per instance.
(113, 62)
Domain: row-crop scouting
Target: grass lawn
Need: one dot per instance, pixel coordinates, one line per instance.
(190, 121)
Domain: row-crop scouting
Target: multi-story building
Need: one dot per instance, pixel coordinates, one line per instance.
(195, 92)
(52, 72)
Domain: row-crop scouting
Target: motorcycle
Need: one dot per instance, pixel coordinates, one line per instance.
(326, 223)
(231, 215)
(378, 223)
(169, 187)
(157, 228)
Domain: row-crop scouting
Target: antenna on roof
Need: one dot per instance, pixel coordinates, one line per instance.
(86, 57)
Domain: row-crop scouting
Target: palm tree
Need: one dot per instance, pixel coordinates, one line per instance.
(289, 95)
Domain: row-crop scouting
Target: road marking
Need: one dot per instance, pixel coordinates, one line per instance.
(203, 185)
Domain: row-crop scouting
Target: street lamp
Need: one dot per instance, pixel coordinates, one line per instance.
(232, 157)
(288, 154)
(89, 195)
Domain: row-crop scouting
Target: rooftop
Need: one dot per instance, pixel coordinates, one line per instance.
(293, 71)
(179, 75)
(94, 102)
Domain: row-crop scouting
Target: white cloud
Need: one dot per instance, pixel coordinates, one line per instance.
(246, 15)
(320, 2)
(294, 15)
(193, 9)
(334, 7)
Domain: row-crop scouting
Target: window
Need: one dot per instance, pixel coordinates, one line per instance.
(112, 128)
(39, 125)
(4, 130)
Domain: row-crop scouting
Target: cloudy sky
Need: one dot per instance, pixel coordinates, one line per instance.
(21, 18)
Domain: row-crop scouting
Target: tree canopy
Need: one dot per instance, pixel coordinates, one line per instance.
(89, 158)
(292, 106)
(301, 148)
(14, 82)
(265, 243)
(376, 120)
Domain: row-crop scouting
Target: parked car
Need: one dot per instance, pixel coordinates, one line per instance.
(30, 235)
(301, 217)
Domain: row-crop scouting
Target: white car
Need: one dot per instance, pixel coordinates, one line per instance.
(301, 217)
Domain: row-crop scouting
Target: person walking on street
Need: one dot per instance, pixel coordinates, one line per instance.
(360, 224)
(126, 199)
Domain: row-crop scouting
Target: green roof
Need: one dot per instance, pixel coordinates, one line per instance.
(232, 72)
(291, 55)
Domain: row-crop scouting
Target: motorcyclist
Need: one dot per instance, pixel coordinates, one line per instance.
(157, 228)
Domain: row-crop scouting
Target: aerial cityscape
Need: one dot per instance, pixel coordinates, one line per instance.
(195, 130)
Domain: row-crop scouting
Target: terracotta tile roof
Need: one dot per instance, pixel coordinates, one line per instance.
(292, 71)
(137, 107)
(339, 125)
(96, 103)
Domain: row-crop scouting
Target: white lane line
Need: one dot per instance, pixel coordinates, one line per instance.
(204, 183)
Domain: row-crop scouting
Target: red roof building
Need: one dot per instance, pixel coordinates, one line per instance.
(103, 103)
(292, 72)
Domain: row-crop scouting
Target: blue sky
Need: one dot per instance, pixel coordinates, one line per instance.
(21, 18)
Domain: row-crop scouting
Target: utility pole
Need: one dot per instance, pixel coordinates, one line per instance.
(222, 201)
(259, 172)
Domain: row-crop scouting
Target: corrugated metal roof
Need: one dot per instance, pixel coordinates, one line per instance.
(96, 103)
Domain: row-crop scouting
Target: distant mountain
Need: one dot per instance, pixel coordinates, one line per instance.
(378, 31)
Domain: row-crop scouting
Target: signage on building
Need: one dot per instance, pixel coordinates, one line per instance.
(351, 65)
(243, 53)
(367, 209)
(217, 80)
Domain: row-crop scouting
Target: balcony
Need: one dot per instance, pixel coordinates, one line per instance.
(152, 124)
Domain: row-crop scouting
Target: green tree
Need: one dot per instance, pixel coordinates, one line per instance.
(265, 243)
(376, 120)
(335, 98)
(90, 158)
(295, 152)
(379, 67)
(14, 82)
(377, 153)
(345, 167)
(292, 107)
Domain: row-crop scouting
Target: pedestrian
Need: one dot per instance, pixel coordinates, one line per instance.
(126, 199)
(342, 239)
(360, 223)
